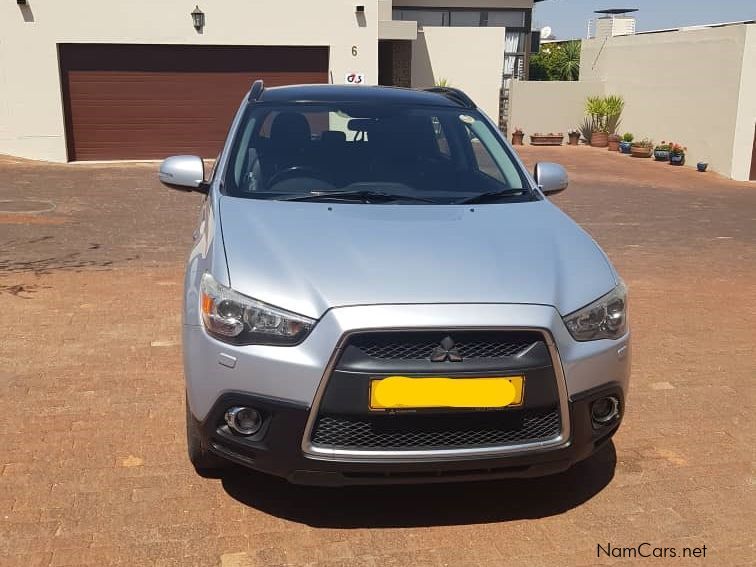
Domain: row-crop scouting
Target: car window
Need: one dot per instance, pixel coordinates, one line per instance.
(240, 158)
(317, 122)
(484, 159)
(437, 152)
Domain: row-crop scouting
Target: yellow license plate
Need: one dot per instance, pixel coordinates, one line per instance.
(404, 392)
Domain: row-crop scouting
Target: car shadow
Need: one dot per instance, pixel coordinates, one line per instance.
(424, 505)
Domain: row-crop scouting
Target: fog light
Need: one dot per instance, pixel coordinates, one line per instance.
(245, 421)
(605, 410)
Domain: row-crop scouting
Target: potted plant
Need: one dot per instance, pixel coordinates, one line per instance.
(676, 154)
(701, 166)
(642, 149)
(517, 136)
(604, 113)
(595, 108)
(550, 139)
(626, 143)
(661, 152)
(614, 142)
(574, 136)
(614, 106)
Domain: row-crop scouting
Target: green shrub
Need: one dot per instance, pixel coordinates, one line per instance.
(556, 62)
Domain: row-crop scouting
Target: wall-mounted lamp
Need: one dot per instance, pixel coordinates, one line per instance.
(21, 2)
(359, 10)
(198, 18)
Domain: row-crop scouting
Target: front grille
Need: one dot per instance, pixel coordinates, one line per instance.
(420, 346)
(420, 432)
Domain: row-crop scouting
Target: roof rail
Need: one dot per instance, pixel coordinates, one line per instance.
(457, 95)
(256, 91)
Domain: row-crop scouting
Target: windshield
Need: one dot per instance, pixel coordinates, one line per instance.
(407, 154)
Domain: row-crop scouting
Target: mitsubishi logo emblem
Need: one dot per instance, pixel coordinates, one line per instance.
(447, 350)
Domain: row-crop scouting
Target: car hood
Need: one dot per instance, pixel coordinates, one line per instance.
(310, 257)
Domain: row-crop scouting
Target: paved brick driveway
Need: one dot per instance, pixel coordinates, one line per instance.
(92, 456)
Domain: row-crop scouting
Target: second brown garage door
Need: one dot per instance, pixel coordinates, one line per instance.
(151, 101)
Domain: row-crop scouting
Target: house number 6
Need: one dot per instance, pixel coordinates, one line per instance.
(354, 51)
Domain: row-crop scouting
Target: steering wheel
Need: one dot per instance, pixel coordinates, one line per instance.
(297, 171)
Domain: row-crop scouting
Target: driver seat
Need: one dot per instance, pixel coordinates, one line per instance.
(290, 139)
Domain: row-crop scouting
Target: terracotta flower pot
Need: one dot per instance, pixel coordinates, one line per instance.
(613, 142)
(641, 151)
(599, 139)
(517, 138)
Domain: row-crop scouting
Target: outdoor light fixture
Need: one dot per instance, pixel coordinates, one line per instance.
(359, 9)
(21, 2)
(198, 18)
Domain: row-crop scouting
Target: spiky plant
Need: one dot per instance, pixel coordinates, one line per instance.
(595, 107)
(567, 64)
(605, 112)
(587, 128)
(614, 104)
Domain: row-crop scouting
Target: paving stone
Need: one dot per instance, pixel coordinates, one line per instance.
(93, 467)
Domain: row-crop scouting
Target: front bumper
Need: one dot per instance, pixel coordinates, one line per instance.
(276, 450)
(286, 383)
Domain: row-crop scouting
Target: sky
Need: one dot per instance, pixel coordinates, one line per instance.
(568, 18)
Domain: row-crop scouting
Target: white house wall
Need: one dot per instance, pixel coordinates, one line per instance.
(746, 120)
(471, 59)
(31, 112)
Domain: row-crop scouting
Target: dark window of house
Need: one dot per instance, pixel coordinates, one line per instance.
(465, 18)
(460, 17)
(423, 17)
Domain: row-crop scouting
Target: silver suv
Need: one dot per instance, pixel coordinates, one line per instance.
(380, 292)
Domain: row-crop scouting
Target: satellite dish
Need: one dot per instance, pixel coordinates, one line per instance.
(545, 32)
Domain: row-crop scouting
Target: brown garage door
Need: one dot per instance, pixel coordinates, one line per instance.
(151, 101)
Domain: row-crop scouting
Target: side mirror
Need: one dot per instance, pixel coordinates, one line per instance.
(183, 172)
(550, 177)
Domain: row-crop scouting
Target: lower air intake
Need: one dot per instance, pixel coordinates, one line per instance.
(428, 432)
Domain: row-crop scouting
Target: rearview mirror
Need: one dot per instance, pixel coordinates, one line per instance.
(183, 172)
(550, 177)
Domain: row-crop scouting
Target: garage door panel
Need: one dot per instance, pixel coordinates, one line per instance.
(143, 102)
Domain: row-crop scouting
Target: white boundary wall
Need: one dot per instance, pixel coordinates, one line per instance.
(549, 106)
(696, 87)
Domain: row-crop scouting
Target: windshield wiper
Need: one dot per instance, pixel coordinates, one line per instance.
(362, 195)
(491, 196)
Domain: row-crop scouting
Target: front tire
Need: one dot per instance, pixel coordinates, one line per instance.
(204, 462)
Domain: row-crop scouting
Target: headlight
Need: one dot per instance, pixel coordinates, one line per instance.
(241, 320)
(605, 318)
